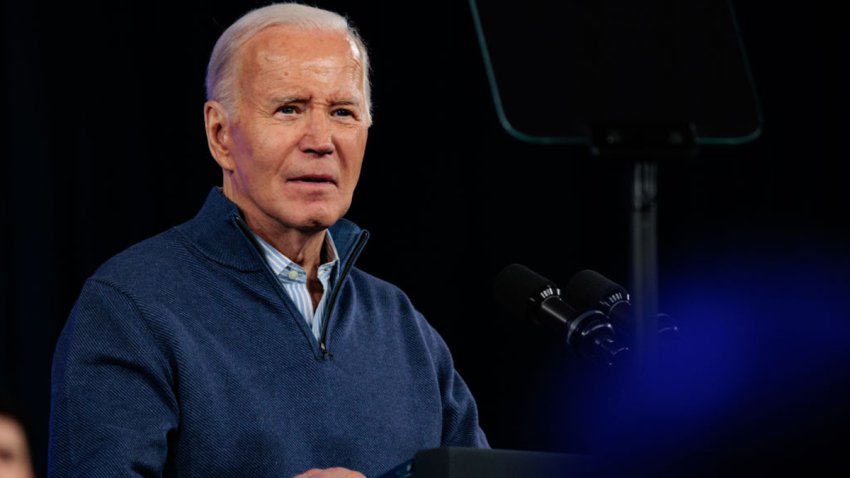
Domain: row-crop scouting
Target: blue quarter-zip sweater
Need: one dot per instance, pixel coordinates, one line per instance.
(184, 357)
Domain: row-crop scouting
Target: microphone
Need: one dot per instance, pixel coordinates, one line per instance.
(590, 290)
(530, 296)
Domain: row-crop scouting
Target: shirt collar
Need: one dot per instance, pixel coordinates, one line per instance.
(289, 271)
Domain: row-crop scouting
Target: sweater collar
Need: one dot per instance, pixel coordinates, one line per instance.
(217, 233)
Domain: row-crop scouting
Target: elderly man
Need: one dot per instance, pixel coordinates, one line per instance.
(245, 342)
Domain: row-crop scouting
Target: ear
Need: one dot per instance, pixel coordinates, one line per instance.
(217, 126)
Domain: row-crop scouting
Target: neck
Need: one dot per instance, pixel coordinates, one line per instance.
(302, 247)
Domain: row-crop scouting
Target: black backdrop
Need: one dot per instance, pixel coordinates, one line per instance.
(103, 145)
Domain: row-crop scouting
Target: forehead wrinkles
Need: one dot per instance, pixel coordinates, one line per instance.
(287, 53)
(323, 67)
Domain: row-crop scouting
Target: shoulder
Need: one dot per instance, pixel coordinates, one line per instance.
(390, 307)
(374, 289)
(151, 259)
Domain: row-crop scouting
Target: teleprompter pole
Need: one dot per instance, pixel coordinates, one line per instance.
(644, 145)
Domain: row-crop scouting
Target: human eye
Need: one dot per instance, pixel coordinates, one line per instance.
(288, 110)
(345, 113)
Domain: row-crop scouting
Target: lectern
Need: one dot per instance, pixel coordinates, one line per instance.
(459, 462)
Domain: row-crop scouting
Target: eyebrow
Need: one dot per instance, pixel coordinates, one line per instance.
(304, 99)
(345, 102)
(289, 99)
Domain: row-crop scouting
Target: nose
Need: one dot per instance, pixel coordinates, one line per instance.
(318, 135)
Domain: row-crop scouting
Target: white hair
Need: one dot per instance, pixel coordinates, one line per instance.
(221, 70)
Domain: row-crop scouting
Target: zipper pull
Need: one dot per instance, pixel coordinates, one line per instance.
(325, 352)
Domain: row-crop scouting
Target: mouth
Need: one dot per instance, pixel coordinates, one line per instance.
(317, 179)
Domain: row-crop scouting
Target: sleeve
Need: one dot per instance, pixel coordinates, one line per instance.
(460, 413)
(112, 400)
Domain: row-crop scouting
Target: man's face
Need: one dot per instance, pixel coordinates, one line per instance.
(297, 138)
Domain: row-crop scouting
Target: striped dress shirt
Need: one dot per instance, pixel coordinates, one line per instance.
(293, 278)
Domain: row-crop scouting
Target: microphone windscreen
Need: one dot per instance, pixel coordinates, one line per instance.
(589, 289)
(514, 287)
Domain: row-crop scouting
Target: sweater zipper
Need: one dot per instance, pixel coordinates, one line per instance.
(355, 253)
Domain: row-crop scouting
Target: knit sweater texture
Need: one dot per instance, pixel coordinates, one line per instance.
(184, 357)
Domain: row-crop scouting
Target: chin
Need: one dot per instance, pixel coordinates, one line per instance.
(317, 223)
(312, 227)
(317, 217)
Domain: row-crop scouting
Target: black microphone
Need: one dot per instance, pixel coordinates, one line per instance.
(528, 295)
(590, 290)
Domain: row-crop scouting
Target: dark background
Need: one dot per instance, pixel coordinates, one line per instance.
(103, 146)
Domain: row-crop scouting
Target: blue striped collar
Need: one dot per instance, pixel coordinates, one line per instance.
(287, 270)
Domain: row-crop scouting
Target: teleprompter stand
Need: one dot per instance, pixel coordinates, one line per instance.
(645, 82)
(644, 145)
